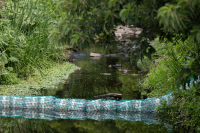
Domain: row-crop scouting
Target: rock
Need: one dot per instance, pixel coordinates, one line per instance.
(117, 65)
(94, 54)
(134, 75)
(110, 96)
(105, 73)
(136, 47)
(126, 43)
(127, 32)
(119, 47)
(123, 70)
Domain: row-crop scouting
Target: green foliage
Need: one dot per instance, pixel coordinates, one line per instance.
(24, 44)
(144, 65)
(96, 20)
(182, 111)
(168, 19)
(9, 78)
(160, 80)
(181, 19)
(52, 79)
(165, 71)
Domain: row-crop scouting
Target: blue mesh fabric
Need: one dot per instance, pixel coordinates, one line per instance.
(147, 117)
(49, 108)
(52, 103)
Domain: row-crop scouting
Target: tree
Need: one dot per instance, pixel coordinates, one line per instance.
(89, 21)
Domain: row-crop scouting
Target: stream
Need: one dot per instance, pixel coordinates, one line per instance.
(96, 76)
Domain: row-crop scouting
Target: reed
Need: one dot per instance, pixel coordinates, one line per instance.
(26, 25)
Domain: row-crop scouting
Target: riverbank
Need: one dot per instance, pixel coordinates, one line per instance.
(163, 77)
(26, 44)
(49, 79)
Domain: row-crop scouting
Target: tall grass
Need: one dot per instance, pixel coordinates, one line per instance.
(164, 73)
(24, 43)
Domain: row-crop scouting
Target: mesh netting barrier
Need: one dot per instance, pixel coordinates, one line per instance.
(53, 103)
(146, 117)
(50, 108)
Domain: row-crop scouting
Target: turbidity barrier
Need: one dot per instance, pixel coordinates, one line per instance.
(147, 117)
(53, 103)
(50, 107)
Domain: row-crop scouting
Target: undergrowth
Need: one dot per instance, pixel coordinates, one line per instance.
(24, 44)
(182, 111)
(163, 77)
(164, 69)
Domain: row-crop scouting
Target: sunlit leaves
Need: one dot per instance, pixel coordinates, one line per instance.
(172, 18)
(25, 26)
(195, 34)
(123, 14)
(3, 59)
(127, 13)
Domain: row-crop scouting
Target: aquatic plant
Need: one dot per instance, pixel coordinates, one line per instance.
(52, 80)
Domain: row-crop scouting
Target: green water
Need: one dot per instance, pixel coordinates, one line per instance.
(96, 78)
(85, 84)
(21, 125)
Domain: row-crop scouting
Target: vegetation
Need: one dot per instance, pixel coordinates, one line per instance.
(182, 112)
(175, 23)
(51, 81)
(88, 21)
(164, 72)
(32, 33)
(24, 43)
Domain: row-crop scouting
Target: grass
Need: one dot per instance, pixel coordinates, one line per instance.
(164, 77)
(24, 43)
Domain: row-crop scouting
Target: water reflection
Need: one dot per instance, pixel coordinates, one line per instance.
(21, 125)
(85, 84)
(96, 78)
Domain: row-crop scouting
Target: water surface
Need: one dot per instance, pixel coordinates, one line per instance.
(94, 78)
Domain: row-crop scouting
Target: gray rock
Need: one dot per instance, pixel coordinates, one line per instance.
(94, 54)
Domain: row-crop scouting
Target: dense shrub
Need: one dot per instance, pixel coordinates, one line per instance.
(163, 77)
(24, 43)
(182, 112)
(164, 70)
